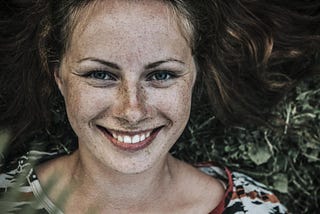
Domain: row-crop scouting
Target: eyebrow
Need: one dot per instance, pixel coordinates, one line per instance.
(115, 66)
(103, 62)
(156, 64)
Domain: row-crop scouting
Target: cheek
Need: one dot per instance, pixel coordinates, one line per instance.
(83, 104)
(175, 103)
(181, 103)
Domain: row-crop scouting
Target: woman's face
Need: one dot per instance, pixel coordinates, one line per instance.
(127, 79)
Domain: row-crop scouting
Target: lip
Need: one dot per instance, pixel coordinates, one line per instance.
(132, 147)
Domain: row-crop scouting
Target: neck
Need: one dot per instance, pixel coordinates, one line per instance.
(119, 190)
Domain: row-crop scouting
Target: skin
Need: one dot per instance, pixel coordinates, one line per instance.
(128, 68)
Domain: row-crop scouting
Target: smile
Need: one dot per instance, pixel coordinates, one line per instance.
(130, 141)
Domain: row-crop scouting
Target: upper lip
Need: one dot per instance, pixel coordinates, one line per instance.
(129, 133)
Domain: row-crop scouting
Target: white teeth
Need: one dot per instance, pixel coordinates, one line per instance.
(114, 135)
(120, 138)
(128, 139)
(135, 139)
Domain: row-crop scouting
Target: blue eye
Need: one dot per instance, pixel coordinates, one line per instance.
(100, 75)
(161, 76)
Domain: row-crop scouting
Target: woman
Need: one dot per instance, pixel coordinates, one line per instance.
(127, 71)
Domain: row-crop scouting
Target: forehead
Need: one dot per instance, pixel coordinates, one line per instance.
(114, 24)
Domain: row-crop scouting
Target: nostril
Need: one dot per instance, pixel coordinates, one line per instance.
(132, 113)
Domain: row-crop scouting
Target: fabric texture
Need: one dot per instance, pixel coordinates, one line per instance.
(21, 192)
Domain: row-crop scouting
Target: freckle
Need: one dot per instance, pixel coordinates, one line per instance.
(148, 152)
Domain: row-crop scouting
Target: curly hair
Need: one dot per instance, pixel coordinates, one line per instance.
(249, 53)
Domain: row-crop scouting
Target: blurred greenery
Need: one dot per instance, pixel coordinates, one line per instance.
(285, 158)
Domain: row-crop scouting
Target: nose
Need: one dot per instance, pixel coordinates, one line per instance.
(132, 106)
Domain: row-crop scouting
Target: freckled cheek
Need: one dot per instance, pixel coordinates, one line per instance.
(174, 103)
(85, 104)
(182, 104)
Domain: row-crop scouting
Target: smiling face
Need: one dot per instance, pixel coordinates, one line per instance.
(127, 78)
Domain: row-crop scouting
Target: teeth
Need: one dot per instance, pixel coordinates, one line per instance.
(131, 139)
(127, 139)
(120, 138)
(135, 139)
(114, 135)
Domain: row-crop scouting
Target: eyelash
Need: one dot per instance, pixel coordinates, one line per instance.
(151, 77)
(92, 74)
(169, 75)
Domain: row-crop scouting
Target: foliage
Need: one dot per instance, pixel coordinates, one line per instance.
(285, 158)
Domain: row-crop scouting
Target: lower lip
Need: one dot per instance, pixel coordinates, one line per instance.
(132, 147)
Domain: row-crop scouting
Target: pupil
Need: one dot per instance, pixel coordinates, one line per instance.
(99, 75)
(161, 76)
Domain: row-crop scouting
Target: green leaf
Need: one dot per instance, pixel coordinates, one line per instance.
(259, 153)
(280, 182)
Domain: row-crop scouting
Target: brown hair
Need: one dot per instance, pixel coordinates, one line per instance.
(249, 53)
(252, 52)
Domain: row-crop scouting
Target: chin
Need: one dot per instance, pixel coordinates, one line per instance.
(133, 165)
(132, 169)
(105, 155)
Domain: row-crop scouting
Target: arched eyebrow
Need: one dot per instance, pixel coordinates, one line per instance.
(115, 66)
(156, 64)
(101, 61)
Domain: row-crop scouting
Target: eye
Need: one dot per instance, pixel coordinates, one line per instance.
(100, 75)
(161, 76)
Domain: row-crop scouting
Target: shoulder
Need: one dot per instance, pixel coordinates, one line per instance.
(196, 192)
(243, 193)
